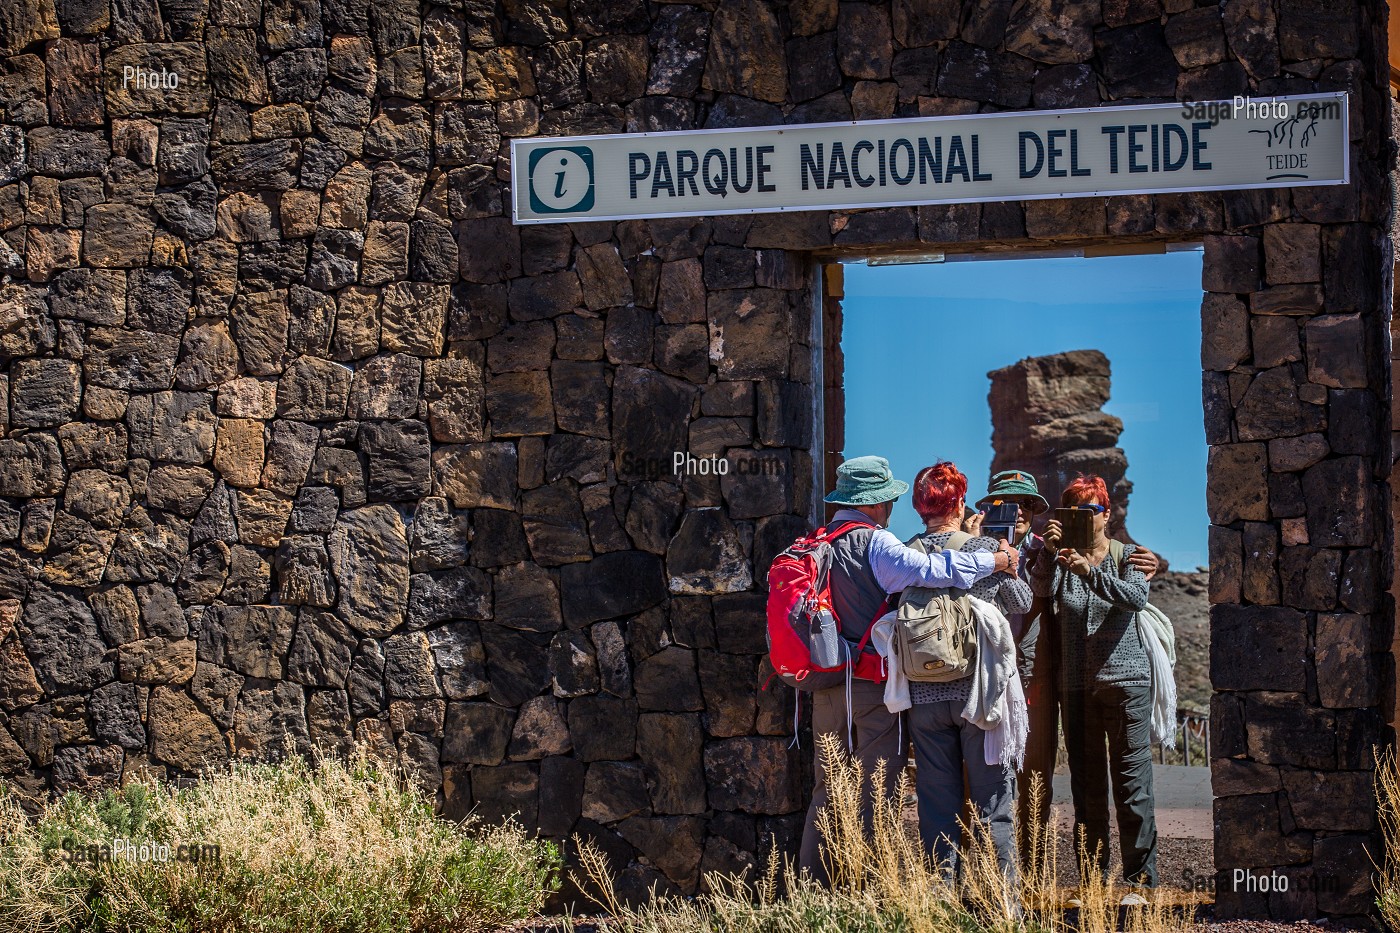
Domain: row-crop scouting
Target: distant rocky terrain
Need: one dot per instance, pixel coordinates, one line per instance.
(1182, 596)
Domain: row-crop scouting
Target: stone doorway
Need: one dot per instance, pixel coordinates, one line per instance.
(1057, 365)
(1284, 455)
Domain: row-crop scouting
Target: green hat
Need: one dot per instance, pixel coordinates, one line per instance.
(1009, 483)
(866, 481)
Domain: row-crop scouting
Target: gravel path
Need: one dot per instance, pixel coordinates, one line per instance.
(1180, 862)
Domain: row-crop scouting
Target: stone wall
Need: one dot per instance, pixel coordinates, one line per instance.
(1048, 419)
(303, 437)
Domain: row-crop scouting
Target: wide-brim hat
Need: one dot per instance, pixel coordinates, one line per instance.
(865, 481)
(1009, 483)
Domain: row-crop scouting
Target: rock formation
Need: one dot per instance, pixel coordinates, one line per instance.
(1048, 419)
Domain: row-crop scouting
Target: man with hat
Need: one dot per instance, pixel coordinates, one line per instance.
(1036, 667)
(1036, 656)
(868, 565)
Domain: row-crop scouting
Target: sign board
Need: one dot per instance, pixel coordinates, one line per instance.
(1214, 146)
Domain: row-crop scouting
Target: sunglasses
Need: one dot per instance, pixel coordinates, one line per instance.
(1091, 507)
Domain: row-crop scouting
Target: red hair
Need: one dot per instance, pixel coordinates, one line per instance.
(1084, 490)
(937, 490)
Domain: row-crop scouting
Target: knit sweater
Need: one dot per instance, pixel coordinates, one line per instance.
(1099, 638)
(1008, 593)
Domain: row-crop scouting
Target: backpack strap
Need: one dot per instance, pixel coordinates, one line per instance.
(956, 540)
(1115, 550)
(829, 533)
(829, 536)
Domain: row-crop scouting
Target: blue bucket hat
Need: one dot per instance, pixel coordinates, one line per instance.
(865, 481)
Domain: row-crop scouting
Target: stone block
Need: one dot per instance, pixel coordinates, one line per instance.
(519, 663)
(181, 734)
(1261, 544)
(976, 73)
(611, 585)
(44, 393)
(476, 475)
(476, 733)
(746, 53)
(668, 681)
(1346, 667)
(1238, 487)
(1225, 332)
(574, 665)
(1258, 648)
(613, 791)
(706, 556)
(369, 556)
(1309, 577)
(1255, 835)
(252, 640)
(1292, 253)
(312, 389)
(1231, 264)
(1197, 37)
(603, 727)
(539, 731)
(1337, 346)
(752, 775)
(460, 656)
(117, 236)
(398, 455)
(812, 66)
(1340, 501)
(1282, 728)
(238, 451)
(1231, 777)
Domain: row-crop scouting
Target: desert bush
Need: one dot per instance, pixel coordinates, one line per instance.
(883, 883)
(345, 846)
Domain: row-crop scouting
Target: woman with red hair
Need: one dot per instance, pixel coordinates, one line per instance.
(1105, 686)
(944, 742)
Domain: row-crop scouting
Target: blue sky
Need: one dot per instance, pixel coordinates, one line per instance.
(919, 341)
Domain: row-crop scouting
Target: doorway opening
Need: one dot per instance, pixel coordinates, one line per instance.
(1056, 364)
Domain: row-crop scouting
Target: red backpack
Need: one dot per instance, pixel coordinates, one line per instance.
(804, 636)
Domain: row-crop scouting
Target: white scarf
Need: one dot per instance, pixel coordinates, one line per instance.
(1158, 640)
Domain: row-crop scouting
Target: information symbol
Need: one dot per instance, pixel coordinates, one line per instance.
(561, 180)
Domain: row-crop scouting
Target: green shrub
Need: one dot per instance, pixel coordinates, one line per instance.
(336, 846)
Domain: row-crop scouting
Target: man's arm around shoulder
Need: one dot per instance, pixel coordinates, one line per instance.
(898, 567)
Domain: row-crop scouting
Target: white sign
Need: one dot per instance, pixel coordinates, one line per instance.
(1214, 146)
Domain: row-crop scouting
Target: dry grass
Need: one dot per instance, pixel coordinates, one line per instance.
(882, 883)
(331, 846)
(1388, 869)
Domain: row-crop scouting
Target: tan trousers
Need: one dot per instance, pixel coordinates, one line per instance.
(876, 736)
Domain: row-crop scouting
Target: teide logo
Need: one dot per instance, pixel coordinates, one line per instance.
(561, 180)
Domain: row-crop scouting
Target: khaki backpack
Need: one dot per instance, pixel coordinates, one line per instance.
(936, 632)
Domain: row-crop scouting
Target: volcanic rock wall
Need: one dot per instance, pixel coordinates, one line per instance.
(1047, 419)
(303, 437)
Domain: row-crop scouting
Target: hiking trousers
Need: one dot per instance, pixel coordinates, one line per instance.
(1042, 743)
(1108, 734)
(946, 747)
(875, 736)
